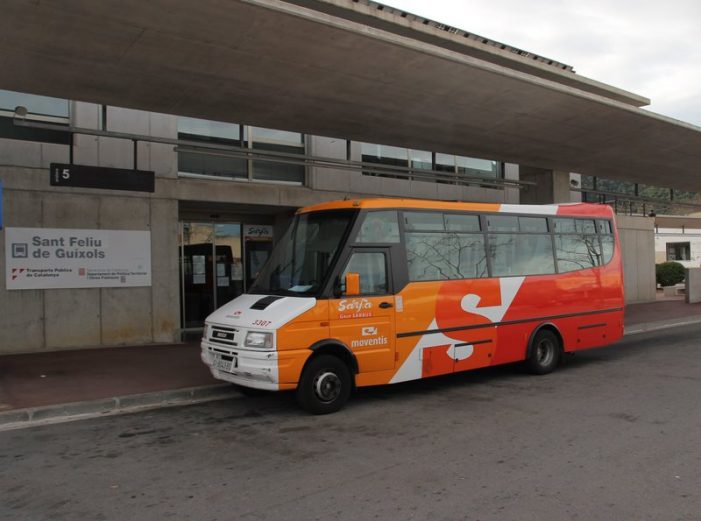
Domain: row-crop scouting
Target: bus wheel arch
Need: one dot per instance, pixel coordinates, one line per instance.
(327, 378)
(545, 348)
(338, 349)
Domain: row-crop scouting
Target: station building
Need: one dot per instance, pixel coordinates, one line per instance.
(213, 216)
(228, 173)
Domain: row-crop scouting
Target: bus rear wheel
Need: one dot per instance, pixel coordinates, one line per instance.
(545, 352)
(325, 385)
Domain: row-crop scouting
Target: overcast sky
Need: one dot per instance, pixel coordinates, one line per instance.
(652, 48)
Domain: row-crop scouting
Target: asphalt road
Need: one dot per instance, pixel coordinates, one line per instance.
(614, 434)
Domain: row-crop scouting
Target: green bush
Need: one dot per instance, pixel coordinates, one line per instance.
(670, 273)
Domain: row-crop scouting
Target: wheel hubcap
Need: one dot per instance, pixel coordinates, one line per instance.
(327, 386)
(545, 352)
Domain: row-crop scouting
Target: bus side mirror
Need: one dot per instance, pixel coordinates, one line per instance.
(352, 284)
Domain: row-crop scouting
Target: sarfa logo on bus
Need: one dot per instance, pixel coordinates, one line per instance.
(354, 308)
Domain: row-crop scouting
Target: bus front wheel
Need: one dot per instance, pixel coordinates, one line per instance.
(545, 352)
(325, 385)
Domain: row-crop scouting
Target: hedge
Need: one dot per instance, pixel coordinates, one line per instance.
(669, 273)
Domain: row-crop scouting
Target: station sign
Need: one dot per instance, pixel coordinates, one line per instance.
(48, 258)
(101, 177)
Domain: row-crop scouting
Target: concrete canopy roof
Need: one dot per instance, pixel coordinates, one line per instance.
(312, 67)
(678, 221)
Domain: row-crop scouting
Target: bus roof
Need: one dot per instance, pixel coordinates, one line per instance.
(569, 209)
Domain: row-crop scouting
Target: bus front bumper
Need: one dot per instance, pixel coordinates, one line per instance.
(249, 368)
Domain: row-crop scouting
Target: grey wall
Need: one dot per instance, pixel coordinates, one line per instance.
(550, 186)
(33, 320)
(638, 249)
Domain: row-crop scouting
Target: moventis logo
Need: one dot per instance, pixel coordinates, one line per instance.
(376, 341)
(369, 331)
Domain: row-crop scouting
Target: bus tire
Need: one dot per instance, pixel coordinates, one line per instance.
(325, 385)
(545, 352)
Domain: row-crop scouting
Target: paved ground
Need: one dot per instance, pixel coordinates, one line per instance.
(663, 309)
(51, 378)
(613, 435)
(39, 379)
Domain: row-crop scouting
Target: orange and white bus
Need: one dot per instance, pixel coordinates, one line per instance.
(380, 291)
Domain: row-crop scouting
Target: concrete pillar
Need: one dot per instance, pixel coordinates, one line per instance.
(551, 186)
(638, 251)
(335, 179)
(693, 285)
(512, 195)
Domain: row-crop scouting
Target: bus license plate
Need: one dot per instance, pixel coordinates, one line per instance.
(223, 365)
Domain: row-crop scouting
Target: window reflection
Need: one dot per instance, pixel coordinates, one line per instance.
(521, 254)
(577, 252)
(443, 256)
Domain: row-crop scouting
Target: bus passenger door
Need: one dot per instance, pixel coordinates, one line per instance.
(362, 315)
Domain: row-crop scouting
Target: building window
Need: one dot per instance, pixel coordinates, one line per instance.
(203, 162)
(467, 166)
(286, 145)
(633, 198)
(678, 251)
(471, 166)
(41, 107)
(384, 155)
(420, 160)
(410, 163)
(401, 162)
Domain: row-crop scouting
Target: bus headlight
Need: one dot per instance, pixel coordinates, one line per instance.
(259, 339)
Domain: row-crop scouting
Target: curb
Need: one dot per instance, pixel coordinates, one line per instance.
(65, 412)
(657, 326)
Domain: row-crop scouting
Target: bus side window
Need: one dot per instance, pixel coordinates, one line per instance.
(607, 246)
(521, 254)
(372, 269)
(604, 227)
(379, 228)
(577, 252)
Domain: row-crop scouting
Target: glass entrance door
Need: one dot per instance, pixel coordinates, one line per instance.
(211, 270)
(229, 284)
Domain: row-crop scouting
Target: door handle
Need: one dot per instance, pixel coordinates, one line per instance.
(385, 305)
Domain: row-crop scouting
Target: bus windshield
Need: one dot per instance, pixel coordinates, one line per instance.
(302, 259)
